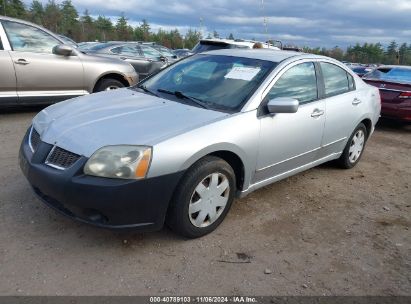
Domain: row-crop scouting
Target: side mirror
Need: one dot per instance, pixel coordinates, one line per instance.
(63, 50)
(283, 105)
(163, 58)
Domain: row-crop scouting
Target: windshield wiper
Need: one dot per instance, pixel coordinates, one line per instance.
(179, 94)
(144, 88)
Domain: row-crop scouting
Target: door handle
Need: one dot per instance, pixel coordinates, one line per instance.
(21, 61)
(317, 113)
(356, 101)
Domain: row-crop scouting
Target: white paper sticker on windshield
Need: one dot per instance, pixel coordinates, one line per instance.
(243, 73)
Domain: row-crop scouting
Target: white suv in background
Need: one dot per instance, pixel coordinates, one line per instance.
(216, 43)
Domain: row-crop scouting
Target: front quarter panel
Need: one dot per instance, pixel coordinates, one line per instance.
(96, 67)
(238, 133)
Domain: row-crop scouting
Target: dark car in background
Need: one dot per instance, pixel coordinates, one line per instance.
(394, 83)
(361, 70)
(145, 59)
(166, 52)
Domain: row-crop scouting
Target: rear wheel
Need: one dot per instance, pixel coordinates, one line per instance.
(354, 148)
(108, 84)
(202, 198)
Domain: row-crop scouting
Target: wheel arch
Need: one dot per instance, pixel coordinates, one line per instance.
(233, 155)
(115, 76)
(368, 125)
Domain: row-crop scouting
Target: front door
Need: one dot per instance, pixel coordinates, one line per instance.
(8, 94)
(41, 75)
(291, 140)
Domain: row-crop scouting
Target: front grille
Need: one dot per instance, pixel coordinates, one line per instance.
(34, 139)
(61, 159)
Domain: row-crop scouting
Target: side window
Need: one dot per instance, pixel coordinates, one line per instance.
(126, 50)
(149, 52)
(336, 79)
(299, 82)
(26, 38)
(1, 45)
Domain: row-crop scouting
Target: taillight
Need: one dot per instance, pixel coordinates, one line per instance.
(405, 95)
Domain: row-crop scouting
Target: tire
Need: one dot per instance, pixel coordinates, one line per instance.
(200, 178)
(355, 147)
(108, 84)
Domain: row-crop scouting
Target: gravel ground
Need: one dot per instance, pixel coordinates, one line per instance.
(326, 231)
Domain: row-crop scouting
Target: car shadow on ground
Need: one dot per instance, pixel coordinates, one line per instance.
(385, 124)
(22, 109)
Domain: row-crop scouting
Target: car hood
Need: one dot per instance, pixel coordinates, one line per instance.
(84, 124)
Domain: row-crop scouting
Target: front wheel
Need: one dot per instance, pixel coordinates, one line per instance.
(354, 148)
(203, 198)
(108, 84)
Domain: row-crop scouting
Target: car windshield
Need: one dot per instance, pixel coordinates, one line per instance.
(218, 82)
(391, 74)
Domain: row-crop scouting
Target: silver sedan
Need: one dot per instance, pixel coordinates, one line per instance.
(178, 148)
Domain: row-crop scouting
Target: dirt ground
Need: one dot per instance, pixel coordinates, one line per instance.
(326, 231)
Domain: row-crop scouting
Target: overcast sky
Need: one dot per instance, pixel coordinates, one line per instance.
(301, 22)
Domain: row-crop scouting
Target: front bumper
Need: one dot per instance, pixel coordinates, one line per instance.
(103, 202)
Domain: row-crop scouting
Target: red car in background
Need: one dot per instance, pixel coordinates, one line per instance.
(394, 83)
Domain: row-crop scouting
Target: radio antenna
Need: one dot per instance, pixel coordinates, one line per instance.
(265, 23)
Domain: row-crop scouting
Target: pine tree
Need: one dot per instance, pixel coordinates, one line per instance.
(69, 23)
(104, 28)
(88, 32)
(36, 12)
(122, 28)
(52, 16)
(13, 8)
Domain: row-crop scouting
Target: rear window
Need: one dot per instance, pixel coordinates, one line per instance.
(391, 74)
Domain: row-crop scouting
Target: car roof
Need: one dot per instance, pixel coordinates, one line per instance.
(262, 54)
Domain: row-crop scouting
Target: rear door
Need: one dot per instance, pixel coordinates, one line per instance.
(8, 93)
(41, 75)
(132, 55)
(345, 107)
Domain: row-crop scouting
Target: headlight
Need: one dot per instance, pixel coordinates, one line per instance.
(128, 162)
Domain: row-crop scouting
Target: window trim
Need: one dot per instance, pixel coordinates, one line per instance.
(4, 39)
(29, 25)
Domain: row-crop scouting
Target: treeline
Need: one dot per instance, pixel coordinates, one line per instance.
(369, 53)
(63, 18)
